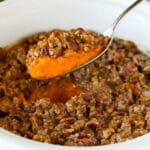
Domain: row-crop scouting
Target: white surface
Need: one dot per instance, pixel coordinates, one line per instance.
(22, 17)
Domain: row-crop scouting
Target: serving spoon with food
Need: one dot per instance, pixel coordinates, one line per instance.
(62, 52)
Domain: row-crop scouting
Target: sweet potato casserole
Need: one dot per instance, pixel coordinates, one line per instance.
(104, 103)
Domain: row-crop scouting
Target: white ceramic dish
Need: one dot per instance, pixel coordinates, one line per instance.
(22, 17)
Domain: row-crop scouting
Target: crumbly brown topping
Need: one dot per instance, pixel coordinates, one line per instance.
(58, 41)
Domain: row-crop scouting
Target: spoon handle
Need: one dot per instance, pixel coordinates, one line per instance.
(111, 30)
(125, 12)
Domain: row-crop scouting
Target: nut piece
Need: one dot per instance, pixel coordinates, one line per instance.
(108, 132)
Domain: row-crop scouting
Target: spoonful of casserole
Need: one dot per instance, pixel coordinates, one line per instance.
(65, 51)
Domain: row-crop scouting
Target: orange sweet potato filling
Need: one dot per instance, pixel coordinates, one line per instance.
(48, 67)
(57, 91)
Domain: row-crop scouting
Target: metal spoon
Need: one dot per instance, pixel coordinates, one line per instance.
(109, 32)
